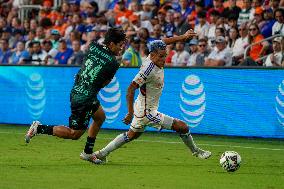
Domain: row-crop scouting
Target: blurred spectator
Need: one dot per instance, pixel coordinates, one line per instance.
(258, 17)
(143, 35)
(138, 24)
(131, 56)
(30, 37)
(233, 36)
(275, 4)
(75, 25)
(202, 27)
(51, 52)
(233, 21)
(255, 4)
(240, 45)
(92, 9)
(192, 18)
(169, 27)
(181, 56)
(212, 27)
(134, 6)
(63, 54)
(94, 35)
(20, 54)
(6, 34)
(38, 55)
(103, 30)
(258, 50)
(78, 55)
(130, 32)
(3, 23)
(217, 6)
(276, 57)
(193, 43)
(157, 33)
(185, 8)
(5, 52)
(144, 51)
(40, 36)
(278, 27)
(181, 24)
(162, 18)
(33, 24)
(170, 54)
(16, 37)
(269, 21)
(26, 26)
(220, 31)
(121, 12)
(221, 56)
(233, 9)
(55, 36)
(103, 4)
(74, 35)
(245, 13)
(147, 10)
(203, 52)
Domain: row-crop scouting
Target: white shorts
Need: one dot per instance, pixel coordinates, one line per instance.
(153, 119)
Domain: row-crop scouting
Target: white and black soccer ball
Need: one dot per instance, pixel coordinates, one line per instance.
(230, 161)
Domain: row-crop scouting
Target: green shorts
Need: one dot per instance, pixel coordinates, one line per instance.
(81, 111)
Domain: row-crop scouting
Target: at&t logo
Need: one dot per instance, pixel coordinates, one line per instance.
(280, 104)
(192, 103)
(111, 100)
(35, 95)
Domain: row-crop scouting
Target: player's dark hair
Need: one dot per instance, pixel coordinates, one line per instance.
(115, 35)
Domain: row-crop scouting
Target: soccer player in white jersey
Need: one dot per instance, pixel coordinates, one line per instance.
(144, 112)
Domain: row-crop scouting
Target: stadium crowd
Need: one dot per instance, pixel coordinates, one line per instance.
(61, 35)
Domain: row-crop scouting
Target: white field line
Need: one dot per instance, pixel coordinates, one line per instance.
(169, 142)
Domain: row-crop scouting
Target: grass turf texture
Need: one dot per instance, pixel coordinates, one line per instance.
(156, 160)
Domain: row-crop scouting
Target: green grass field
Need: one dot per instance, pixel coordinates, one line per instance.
(156, 160)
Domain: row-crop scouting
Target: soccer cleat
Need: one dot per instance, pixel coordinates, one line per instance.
(91, 158)
(202, 154)
(101, 157)
(32, 131)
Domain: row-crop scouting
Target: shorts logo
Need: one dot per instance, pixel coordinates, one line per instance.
(110, 98)
(279, 106)
(35, 95)
(192, 103)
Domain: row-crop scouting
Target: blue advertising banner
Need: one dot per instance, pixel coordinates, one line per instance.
(236, 102)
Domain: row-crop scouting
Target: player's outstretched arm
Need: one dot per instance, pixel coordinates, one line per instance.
(130, 100)
(188, 35)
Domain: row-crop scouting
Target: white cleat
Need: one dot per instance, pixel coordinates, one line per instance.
(32, 131)
(100, 156)
(202, 154)
(91, 158)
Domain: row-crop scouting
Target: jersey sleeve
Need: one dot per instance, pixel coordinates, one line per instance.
(144, 74)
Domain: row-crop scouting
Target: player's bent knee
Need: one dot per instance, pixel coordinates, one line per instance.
(132, 135)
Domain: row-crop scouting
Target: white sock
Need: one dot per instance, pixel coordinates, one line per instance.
(114, 144)
(188, 141)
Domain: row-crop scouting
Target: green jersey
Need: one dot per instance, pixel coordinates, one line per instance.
(99, 67)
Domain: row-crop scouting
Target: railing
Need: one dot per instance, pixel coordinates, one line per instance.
(25, 7)
(266, 39)
(24, 10)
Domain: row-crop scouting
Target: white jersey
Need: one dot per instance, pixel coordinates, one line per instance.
(150, 79)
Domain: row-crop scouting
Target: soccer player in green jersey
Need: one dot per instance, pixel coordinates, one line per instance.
(99, 67)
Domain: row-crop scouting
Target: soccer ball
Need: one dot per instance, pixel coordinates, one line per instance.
(230, 161)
